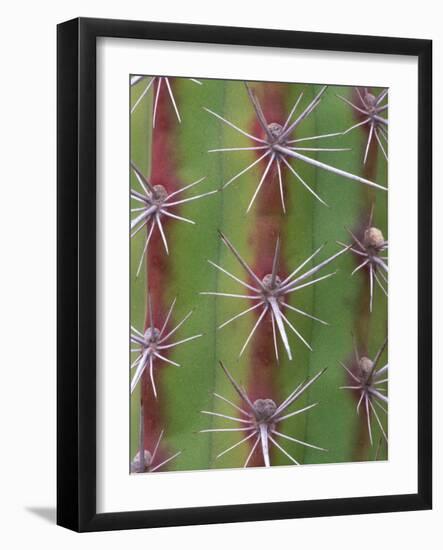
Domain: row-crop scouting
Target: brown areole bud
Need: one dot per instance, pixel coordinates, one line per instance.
(366, 366)
(373, 238)
(370, 99)
(135, 464)
(159, 195)
(264, 409)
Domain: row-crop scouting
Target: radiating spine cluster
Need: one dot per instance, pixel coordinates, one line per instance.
(259, 419)
(366, 381)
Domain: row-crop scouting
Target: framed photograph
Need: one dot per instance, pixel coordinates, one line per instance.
(244, 274)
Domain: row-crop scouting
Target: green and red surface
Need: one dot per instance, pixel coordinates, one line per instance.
(176, 154)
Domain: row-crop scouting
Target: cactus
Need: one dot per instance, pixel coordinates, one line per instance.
(261, 208)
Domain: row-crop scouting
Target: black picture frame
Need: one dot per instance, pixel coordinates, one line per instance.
(76, 265)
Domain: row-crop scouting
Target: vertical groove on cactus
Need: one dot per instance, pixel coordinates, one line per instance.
(267, 229)
(163, 172)
(218, 250)
(365, 317)
(303, 245)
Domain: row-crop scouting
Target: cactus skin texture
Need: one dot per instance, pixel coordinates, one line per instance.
(174, 154)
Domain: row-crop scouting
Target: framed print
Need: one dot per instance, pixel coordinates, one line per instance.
(244, 274)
